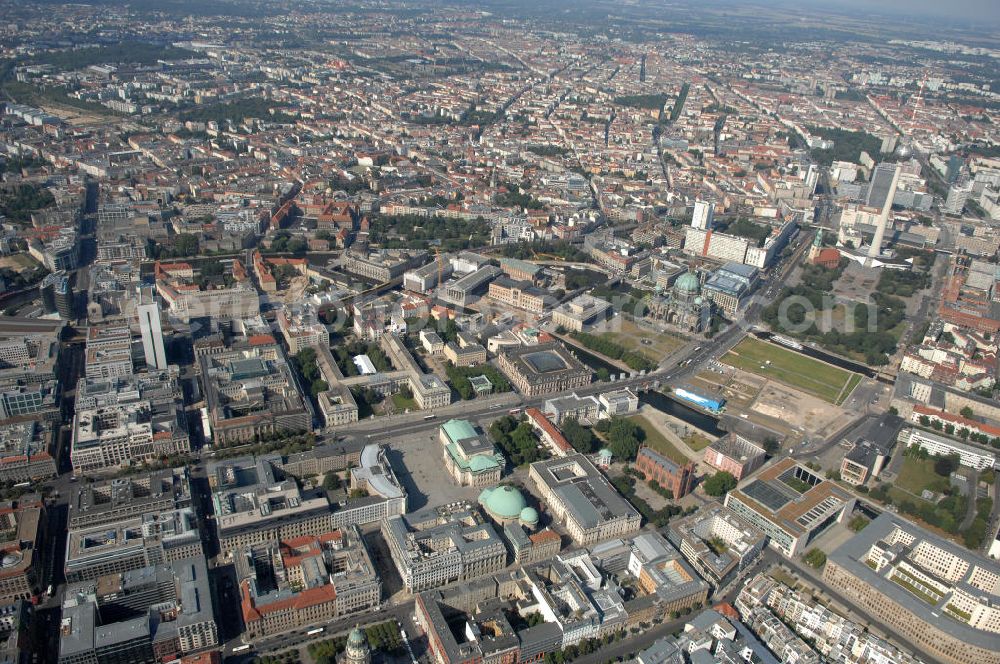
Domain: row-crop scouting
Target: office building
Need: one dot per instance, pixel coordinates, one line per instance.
(302, 328)
(256, 500)
(299, 582)
(488, 635)
(571, 592)
(26, 451)
(870, 449)
(442, 545)
(527, 547)
(730, 286)
(131, 543)
(703, 215)
(24, 536)
(151, 328)
(143, 616)
(254, 503)
(663, 576)
(934, 593)
(108, 352)
(127, 419)
(790, 504)
(29, 394)
(17, 642)
(717, 542)
(958, 196)
(230, 299)
(970, 455)
(725, 247)
(105, 502)
(581, 498)
(250, 392)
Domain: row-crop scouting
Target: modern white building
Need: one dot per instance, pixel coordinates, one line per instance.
(958, 196)
(969, 454)
(151, 327)
(704, 214)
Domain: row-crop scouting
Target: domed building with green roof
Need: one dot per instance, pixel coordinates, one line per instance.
(470, 457)
(684, 306)
(506, 504)
(357, 651)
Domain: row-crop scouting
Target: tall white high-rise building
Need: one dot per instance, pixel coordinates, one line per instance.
(958, 196)
(704, 214)
(151, 328)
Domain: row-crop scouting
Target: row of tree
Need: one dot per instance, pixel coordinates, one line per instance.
(606, 345)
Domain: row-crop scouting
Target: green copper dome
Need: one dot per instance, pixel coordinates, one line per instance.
(503, 502)
(529, 516)
(687, 283)
(356, 637)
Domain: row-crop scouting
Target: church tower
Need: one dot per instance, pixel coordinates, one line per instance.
(357, 651)
(817, 245)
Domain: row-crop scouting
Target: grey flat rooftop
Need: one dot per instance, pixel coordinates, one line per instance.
(851, 556)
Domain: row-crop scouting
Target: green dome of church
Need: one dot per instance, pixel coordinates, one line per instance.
(356, 637)
(687, 283)
(529, 516)
(503, 502)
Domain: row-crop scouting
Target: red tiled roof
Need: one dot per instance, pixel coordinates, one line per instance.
(550, 429)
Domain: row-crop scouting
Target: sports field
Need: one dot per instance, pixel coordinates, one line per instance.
(785, 366)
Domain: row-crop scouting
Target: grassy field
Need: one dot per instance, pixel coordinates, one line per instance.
(803, 373)
(402, 403)
(656, 440)
(652, 344)
(697, 442)
(917, 475)
(19, 262)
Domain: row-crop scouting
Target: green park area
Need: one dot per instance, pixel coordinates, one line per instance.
(655, 346)
(657, 441)
(793, 369)
(917, 474)
(697, 441)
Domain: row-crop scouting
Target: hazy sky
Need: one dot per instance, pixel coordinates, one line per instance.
(987, 11)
